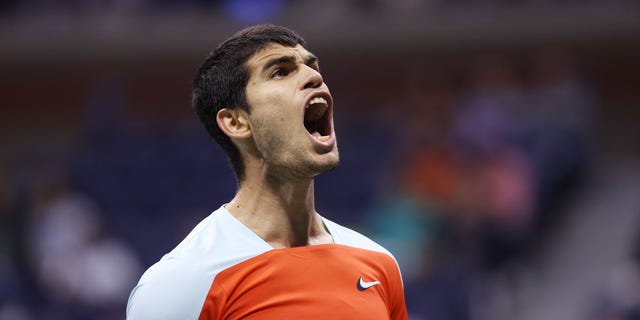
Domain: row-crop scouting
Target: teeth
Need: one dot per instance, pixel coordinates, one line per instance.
(319, 137)
(317, 100)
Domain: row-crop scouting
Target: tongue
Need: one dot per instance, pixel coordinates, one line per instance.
(316, 134)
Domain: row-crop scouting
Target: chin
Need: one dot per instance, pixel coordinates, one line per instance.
(326, 166)
(329, 167)
(307, 169)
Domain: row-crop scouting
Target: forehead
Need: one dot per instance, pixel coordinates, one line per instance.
(275, 50)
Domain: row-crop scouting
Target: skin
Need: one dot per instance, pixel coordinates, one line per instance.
(276, 198)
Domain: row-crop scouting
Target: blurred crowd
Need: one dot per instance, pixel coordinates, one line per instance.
(477, 172)
(459, 174)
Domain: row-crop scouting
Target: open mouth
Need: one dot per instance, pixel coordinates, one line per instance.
(317, 119)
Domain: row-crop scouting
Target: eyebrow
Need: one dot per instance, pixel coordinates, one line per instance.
(311, 61)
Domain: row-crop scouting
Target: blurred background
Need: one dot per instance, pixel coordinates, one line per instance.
(492, 146)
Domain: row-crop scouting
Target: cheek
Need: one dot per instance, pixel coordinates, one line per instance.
(270, 134)
(278, 122)
(275, 120)
(264, 96)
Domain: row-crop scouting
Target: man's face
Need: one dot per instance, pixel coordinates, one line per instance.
(291, 112)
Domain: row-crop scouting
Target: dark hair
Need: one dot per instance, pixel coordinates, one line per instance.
(222, 78)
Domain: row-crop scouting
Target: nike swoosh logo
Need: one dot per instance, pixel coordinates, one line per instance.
(363, 285)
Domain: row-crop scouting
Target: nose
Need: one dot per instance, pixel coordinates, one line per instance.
(313, 78)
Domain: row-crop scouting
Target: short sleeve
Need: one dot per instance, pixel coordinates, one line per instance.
(169, 290)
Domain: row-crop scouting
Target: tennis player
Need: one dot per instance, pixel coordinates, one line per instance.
(267, 253)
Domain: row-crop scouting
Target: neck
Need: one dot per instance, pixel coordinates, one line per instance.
(281, 212)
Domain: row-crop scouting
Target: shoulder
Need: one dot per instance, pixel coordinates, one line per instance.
(173, 288)
(176, 286)
(345, 236)
(377, 258)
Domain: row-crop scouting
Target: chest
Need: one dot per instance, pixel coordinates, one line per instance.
(322, 284)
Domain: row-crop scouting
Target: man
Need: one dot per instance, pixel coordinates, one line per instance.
(267, 254)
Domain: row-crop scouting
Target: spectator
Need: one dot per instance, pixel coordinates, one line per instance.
(80, 266)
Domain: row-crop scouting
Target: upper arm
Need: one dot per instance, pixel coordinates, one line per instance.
(168, 290)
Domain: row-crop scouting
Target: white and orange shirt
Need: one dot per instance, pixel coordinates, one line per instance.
(223, 270)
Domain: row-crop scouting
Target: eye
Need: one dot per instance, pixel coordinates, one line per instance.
(280, 73)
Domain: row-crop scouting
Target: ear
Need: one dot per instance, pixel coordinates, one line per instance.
(234, 123)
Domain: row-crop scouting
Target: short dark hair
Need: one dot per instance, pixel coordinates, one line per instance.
(222, 78)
